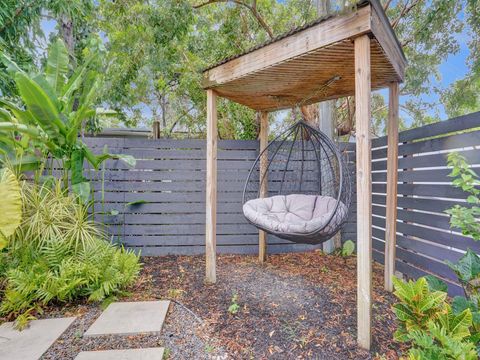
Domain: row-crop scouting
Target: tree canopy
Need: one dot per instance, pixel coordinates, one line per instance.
(154, 51)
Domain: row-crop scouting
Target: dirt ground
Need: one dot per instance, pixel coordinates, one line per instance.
(295, 306)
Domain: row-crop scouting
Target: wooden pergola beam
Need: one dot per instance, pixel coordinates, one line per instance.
(368, 19)
(299, 65)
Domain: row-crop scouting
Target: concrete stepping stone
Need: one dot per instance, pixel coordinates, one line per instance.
(128, 318)
(129, 354)
(32, 342)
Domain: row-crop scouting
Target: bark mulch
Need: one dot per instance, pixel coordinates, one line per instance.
(295, 306)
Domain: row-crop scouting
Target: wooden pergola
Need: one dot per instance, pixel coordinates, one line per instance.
(343, 55)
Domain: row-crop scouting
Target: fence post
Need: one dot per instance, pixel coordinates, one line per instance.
(156, 129)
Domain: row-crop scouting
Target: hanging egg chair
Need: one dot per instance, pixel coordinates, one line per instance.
(303, 193)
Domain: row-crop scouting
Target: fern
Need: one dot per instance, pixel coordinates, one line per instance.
(59, 254)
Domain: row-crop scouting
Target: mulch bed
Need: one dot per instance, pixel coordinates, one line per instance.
(295, 306)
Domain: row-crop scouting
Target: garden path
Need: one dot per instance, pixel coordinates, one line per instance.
(32, 342)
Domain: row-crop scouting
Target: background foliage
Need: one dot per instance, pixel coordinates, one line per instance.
(155, 50)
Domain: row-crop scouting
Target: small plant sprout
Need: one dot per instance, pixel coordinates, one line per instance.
(234, 307)
(209, 348)
(348, 248)
(175, 293)
(166, 354)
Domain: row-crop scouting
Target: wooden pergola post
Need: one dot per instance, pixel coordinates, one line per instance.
(211, 200)
(262, 235)
(392, 179)
(314, 56)
(364, 190)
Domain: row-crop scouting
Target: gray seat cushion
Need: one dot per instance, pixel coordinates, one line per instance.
(296, 213)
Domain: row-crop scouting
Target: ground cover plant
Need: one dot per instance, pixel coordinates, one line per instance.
(434, 326)
(58, 254)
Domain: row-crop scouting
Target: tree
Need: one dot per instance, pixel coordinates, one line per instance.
(464, 95)
(20, 23)
(150, 70)
(426, 30)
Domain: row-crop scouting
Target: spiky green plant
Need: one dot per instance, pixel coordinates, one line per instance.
(52, 215)
(59, 254)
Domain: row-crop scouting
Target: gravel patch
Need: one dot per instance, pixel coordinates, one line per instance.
(181, 336)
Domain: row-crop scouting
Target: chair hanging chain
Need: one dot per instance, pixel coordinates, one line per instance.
(296, 112)
(321, 88)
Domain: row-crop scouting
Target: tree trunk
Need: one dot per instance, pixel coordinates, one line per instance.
(326, 116)
(66, 31)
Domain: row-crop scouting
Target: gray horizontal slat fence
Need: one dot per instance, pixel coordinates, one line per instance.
(169, 181)
(424, 237)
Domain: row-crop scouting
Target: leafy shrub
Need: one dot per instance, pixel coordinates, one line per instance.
(418, 306)
(59, 254)
(465, 178)
(430, 325)
(436, 329)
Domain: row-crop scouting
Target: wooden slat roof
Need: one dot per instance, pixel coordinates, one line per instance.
(310, 64)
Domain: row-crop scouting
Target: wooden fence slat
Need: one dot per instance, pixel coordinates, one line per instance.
(431, 145)
(460, 123)
(428, 161)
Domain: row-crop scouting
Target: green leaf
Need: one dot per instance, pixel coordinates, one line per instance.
(472, 199)
(460, 303)
(23, 116)
(81, 114)
(114, 212)
(5, 115)
(432, 300)
(3, 241)
(137, 202)
(24, 163)
(41, 107)
(57, 65)
(403, 312)
(467, 267)
(435, 284)
(97, 160)
(45, 85)
(82, 190)
(77, 78)
(10, 193)
(77, 166)
(461, 323)
(25, 129)
(12, 67)
(348, 248)
(127, 159)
